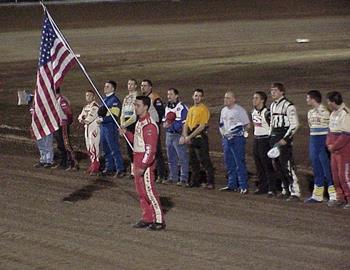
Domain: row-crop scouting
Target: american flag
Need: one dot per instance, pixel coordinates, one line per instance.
(55, 60)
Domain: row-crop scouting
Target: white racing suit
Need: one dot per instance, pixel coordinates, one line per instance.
(88, 117)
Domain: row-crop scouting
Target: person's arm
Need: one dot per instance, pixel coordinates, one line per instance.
(293, 127)
(115, 110)
(222, 125)
(344, 138)
(82, 116)
(179, 123)
(150, 137)
(92, 115)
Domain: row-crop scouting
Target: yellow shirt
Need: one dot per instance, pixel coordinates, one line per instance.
(197, 115)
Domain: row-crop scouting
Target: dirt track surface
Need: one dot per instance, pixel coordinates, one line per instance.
(60, 220)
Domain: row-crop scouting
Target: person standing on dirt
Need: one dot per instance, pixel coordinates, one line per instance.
(88, 117)
(284, 124)
(338, 143)
(128, 117)
(156, 111)
(261, 119)
(62, 135)
(234, 123)
(318, 119)
(145, 141)
(109, 132)
(173, 121)
(45, 144)
(195, 133)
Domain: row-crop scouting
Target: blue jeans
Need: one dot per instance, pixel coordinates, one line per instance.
(320, 160)
(45, 146)
(177, 155)
(110, 145)
(234, 156)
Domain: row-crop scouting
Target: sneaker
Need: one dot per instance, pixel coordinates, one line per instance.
(107, 173)
(335, 203)
(210, 186)
(39, 165)
(259, 192)
(167, 182)
(312, 200)
(156, 226)
(227, 189)
(141, 224)
(179, 184)
(120, 174)
(347, 206)
(159, 180)
(271, 194)
(48, 165)
(244, 191)
(293, 198)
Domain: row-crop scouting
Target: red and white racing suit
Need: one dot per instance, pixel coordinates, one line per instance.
(339, 140)
(145, 141)
(88, 117)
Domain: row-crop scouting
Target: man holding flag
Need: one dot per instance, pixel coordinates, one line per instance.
(55, 60)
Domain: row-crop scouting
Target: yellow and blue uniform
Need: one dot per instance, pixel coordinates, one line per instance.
(110, 135)
(318, 119)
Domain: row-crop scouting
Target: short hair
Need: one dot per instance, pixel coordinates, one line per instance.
(279, 86)
(176, 92)
(262, 95)
(148, 81)
(316, 95)
(335, 97)
(90, 91)
(134, 80)
(113, 83)
(199, 90)
(145, 100)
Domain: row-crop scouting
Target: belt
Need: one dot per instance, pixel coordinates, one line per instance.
(258, 137)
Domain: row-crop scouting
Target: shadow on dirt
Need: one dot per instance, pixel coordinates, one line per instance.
(87, 191)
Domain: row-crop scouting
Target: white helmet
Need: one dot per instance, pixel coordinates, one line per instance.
(274, 152)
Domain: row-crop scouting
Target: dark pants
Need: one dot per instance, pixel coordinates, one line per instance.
(130, 128)
(199, 155)
(63, 157)
(264, 168)
(284, 162)
(160, 159)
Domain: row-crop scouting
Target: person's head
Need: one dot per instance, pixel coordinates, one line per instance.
(110, 87)
(173, 95)
(334, 100)
(229, 99)
(132, 85)
(259, 99)
(198, 96)
(89, 96)
(142, 104)
(146, 86)
(313, 98)
(277, 90)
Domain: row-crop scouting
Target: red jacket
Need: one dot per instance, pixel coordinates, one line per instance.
(145, 140)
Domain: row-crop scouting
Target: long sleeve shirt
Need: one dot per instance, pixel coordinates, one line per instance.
(145, 140)
(180, 111)
(284, 118)
(318, 119)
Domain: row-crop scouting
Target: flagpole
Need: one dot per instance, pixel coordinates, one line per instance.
(84, 71)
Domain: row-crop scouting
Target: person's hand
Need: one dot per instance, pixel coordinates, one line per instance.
(139, 172)
(122, 131)
(166, 124)
(331, 148)
(182, 140)
(99, 120)
(282, 142)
